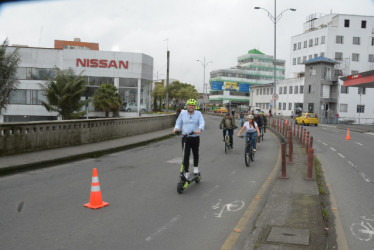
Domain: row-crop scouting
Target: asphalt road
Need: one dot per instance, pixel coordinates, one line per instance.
(43, 209)
(350, 173)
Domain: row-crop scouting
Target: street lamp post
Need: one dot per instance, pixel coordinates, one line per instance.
(204, 64)
(275, 20)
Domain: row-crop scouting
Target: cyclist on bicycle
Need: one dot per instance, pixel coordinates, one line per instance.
(228, 124)
(264, 119)
(190, 120)
(259, 121)
(251, 131)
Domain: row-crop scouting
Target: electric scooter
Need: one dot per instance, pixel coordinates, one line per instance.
(183, 181)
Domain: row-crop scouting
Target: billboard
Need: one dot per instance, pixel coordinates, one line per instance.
(243, 87)
(216, 85)
(231, 86)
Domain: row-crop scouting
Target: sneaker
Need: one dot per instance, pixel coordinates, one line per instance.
(196, 174)
(254, 150)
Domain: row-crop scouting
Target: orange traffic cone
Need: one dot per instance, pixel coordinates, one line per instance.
(348, 137)
(96, 201)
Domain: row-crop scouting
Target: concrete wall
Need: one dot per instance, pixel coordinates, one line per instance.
(32, 136)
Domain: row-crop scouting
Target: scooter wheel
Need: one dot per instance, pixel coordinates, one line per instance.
(197, 180)
(180, 187)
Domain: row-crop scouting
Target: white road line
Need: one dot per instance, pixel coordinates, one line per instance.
(351, 163)
(327, 126)
(369, 133)
(366, 178)
(324, 143)
(162, 229)
(358, 143)
(342, 156)
(333, 149)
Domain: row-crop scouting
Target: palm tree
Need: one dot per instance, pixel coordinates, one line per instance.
(64, 94)
(107, 98)
(8, 68)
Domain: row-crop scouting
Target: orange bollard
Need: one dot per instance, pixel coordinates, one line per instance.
(307, 142)
(96, 200)
(289, 146)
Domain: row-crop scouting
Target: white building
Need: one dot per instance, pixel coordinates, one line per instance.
(132, 73)
(254, 68)
(290, 92)
(349, 40)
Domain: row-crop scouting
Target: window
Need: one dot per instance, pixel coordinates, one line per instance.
(304, 58)
(343, 108)
(280, 106)
(290, 106)
(346, 23)
(327, 73)
(312, 70)
(299, 60)
(260, 91)
(284, 106)
(323, 39)
(66, 47)
(371, 57)
(316, 41)
(310, 42)
(299, 45)
(268, 91)
(280, 90)
(257, 91)
(363, 24)
(356, 40)
(353, 72)
(360, 108)
(301, 89)
(338, 55)
(322, 54)
(372, 41)
(339, 39)
(305, 44)
(294, 46)
(290, 90)
(294, 61)
(271, 91)
(310, 57)
(315, 55)
(310, 89)
(361, 91)
(285, 90)
(344, 89)
(355, 57)
(296, 89)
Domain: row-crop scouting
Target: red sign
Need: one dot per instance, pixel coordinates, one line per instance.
(102, 63)
(354, 76)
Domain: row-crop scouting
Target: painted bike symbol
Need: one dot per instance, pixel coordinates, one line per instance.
(230, 207)
(365, 229)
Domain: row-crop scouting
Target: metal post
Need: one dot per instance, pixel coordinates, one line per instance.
(167, 81)
(310, 165)
(289, 146)
(283, 175)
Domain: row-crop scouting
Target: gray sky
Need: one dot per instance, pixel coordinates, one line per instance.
(220, 30)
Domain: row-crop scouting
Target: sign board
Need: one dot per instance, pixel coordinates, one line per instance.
(275, 97)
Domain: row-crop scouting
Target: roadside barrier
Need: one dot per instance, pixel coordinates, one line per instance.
(283, 174)
(96, 200)
(310, 165)
(290, 149)
(307, 142)
(311, 142)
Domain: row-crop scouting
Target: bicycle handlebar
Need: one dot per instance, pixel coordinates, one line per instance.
(184, 135)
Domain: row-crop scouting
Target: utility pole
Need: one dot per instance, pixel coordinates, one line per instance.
(167, 75)
(205, 85)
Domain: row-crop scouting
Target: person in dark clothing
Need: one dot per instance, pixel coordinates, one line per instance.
(260, 122)
(265, 120)
(228, 124)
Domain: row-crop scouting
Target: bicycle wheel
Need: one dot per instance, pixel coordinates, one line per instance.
(227, 143)
(262, 134)
(247, 155)
(252, 154)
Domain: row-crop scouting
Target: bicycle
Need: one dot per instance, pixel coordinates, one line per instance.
(249, 154)
(227, 141)
(183, 181)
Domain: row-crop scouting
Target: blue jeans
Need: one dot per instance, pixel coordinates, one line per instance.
(241, 122)
(253, 136)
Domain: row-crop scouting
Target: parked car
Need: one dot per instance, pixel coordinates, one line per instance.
(221, 109)
(133, 107)
(307, 119)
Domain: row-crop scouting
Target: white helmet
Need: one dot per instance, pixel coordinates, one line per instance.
(250, 117)
(256, 112)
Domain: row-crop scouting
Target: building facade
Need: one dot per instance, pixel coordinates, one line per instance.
(131, 73)
(233, 84)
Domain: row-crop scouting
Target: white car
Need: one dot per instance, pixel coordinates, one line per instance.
(133, 107)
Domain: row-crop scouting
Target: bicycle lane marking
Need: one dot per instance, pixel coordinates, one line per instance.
(235, 234)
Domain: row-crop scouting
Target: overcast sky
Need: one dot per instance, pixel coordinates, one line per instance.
(220, 30)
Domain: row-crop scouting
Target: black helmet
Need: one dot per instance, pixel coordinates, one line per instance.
(227, 114)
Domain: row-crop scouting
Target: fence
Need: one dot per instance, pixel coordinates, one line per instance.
(32, 136)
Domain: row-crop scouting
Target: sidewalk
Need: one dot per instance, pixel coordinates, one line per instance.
(38, 159)
(292, 216)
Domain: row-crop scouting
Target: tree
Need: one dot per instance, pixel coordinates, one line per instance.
(107, 98)
(159, 93)
(64, 94)
(8, 68)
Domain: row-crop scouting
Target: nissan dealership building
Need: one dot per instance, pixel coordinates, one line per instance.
(130, 72)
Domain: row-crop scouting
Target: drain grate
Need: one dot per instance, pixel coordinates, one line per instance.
(289, 235)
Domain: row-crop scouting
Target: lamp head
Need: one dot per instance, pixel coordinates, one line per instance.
(257, 8)
(292, 9)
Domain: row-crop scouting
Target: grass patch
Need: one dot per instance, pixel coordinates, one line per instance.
(319, 176)
(325, 214)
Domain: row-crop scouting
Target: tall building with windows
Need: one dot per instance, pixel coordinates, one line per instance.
(233, 84)
(131, 73)
(349, 41)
